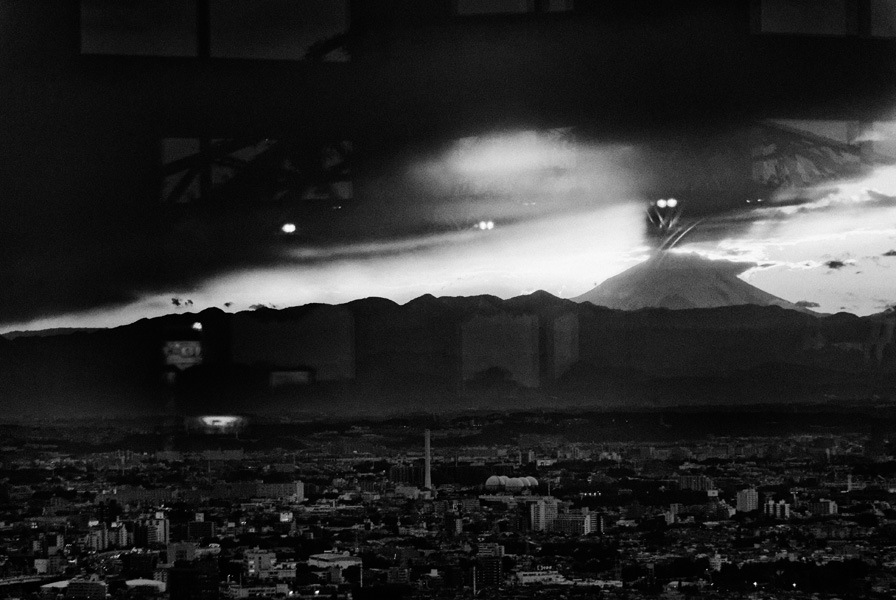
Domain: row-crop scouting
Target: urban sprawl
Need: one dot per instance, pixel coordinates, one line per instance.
(401, 511)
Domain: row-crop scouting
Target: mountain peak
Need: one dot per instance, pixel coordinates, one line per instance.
(680, 281)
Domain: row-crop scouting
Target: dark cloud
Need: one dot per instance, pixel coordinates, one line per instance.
(108, 256)
(82, 224)
(890, 253)
(835, 264)
(808, 304)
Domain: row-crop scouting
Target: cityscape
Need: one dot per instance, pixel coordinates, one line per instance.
(423, 506)
(448, 299)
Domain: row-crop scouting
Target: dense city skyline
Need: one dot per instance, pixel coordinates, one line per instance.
(448, 299)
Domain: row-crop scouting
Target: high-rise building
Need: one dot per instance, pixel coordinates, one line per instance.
(51, 565)
(98, 538)
(181, 551)
(747, 500)
(777, 510)
(823, 507)
(158, 531)
(490, 549)
(454, 525)
(119, 536)
(293, 491)
(700, 483)
(489, 572)
(398, 575)
(257, 561)
(542, 513)
(574, 524)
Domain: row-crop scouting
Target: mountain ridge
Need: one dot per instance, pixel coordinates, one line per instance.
(382, 353)
(682, 281)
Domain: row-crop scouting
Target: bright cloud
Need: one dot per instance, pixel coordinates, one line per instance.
(579, 220)
(827, 250)
(565, 255)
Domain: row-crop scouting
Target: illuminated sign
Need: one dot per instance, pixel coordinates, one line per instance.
(182, 354)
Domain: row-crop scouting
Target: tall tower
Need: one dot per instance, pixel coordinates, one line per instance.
(427, 477)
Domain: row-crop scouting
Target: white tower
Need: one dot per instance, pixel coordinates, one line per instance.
(427, 476)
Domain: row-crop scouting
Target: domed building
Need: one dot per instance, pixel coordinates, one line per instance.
(513, 485)
(516, 485)
(493, 483)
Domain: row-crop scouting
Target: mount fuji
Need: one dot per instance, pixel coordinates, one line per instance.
(681, 281)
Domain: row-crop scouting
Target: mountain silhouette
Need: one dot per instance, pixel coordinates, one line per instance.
(681, 281)
(374, 355)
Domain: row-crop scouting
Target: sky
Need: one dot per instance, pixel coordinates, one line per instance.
(502, 211)
(833, 254)
(548, 212)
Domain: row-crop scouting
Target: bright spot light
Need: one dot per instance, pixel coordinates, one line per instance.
(490, 225)
(219, 421)
(483, 225)
(671, 202)
(661, 203)
(288, 228)
(197, 326)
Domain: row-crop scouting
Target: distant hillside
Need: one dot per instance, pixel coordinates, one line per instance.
(11, 335)
(373, 355)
